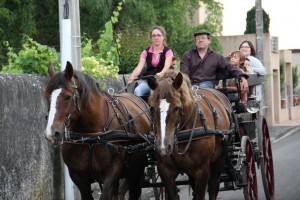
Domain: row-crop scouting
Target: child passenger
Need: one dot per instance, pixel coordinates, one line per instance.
(247, 67)
(237, 59)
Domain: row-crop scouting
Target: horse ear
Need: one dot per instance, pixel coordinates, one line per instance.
(178, 81)
(51, 70)
(69, 71)
(152, 83)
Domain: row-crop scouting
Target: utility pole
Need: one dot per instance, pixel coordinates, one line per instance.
(76, 36)
(70, 37)
(259, 31)
(70, 49)
(259, 54)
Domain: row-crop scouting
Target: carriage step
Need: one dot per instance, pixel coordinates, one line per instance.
(241, 185)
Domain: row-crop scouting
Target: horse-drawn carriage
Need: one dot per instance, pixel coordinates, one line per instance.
(248, 142)
(200, 133)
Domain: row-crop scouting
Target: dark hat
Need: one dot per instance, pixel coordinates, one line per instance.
(203, 32)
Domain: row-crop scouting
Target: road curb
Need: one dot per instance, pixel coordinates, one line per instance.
(286, 134)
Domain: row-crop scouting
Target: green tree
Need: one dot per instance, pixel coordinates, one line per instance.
(34, 18)
(295, 75)
(251, 22)
(47, 23)
(282, 75)
(138, 17)
(39, 20)
(93, 16)
(31, 59)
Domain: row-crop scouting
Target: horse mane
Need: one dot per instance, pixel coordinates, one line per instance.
(86, 83)
(165, 90)
(186, 93)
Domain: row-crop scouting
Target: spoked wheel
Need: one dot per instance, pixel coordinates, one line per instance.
(158, 191)
(249, 170)
(163, 195)
(266, 161)
(155, 189)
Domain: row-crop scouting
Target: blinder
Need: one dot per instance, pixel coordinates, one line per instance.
(76, 96)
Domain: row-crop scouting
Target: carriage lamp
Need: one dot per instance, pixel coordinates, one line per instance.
(252, 106)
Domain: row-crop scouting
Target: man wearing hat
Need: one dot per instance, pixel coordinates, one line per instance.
(201, 64)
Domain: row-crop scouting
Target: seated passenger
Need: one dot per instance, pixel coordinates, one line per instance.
(201, 64)
(247, 67)
(256, 66)
(158, 58)
(237, 59)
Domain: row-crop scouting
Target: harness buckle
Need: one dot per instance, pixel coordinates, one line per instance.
(176, 143)
(115, 102)
(111, 91)
(129, 149)
(67, 135)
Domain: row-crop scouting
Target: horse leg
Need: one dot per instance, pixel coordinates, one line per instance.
(83, 185)
(216, 170)
(110, 185)
(135, 189)
(122, 190)
(135, 177)
(201, 180)
(192, 182)
(214, 181)
(168, 176)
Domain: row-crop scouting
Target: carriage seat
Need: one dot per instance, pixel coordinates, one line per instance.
(232, 95)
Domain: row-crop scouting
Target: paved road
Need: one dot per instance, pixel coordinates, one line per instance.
(286, 157)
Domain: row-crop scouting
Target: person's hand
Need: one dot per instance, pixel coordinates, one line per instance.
(248, 68)
(159, 75)
(131, 79)
(244, 84)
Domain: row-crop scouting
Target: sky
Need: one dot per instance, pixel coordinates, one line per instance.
(284, 19)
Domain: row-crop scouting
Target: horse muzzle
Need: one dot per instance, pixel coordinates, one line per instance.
(55, 137)
(165, 150)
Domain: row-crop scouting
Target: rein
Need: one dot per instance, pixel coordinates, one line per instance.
(191, 134)
(136, 79)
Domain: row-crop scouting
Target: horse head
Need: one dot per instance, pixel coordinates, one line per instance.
(62, 95)
(166, 107)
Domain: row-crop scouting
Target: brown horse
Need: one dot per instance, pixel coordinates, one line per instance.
(102, 136)
(187, 129)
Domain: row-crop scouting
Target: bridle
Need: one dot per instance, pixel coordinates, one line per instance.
(71, 110)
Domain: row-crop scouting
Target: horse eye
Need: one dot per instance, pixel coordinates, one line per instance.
(67, 98)
(176, 108)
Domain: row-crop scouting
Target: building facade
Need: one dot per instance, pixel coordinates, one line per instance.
(280, 106)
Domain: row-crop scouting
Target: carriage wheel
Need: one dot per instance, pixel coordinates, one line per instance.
(249, 170)
(159, 192)
(163, 194)
(266, 161)
(156, 191)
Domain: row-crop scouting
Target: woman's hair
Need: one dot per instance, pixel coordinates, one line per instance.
(241, 56)
(252, 52)
(163, 32)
